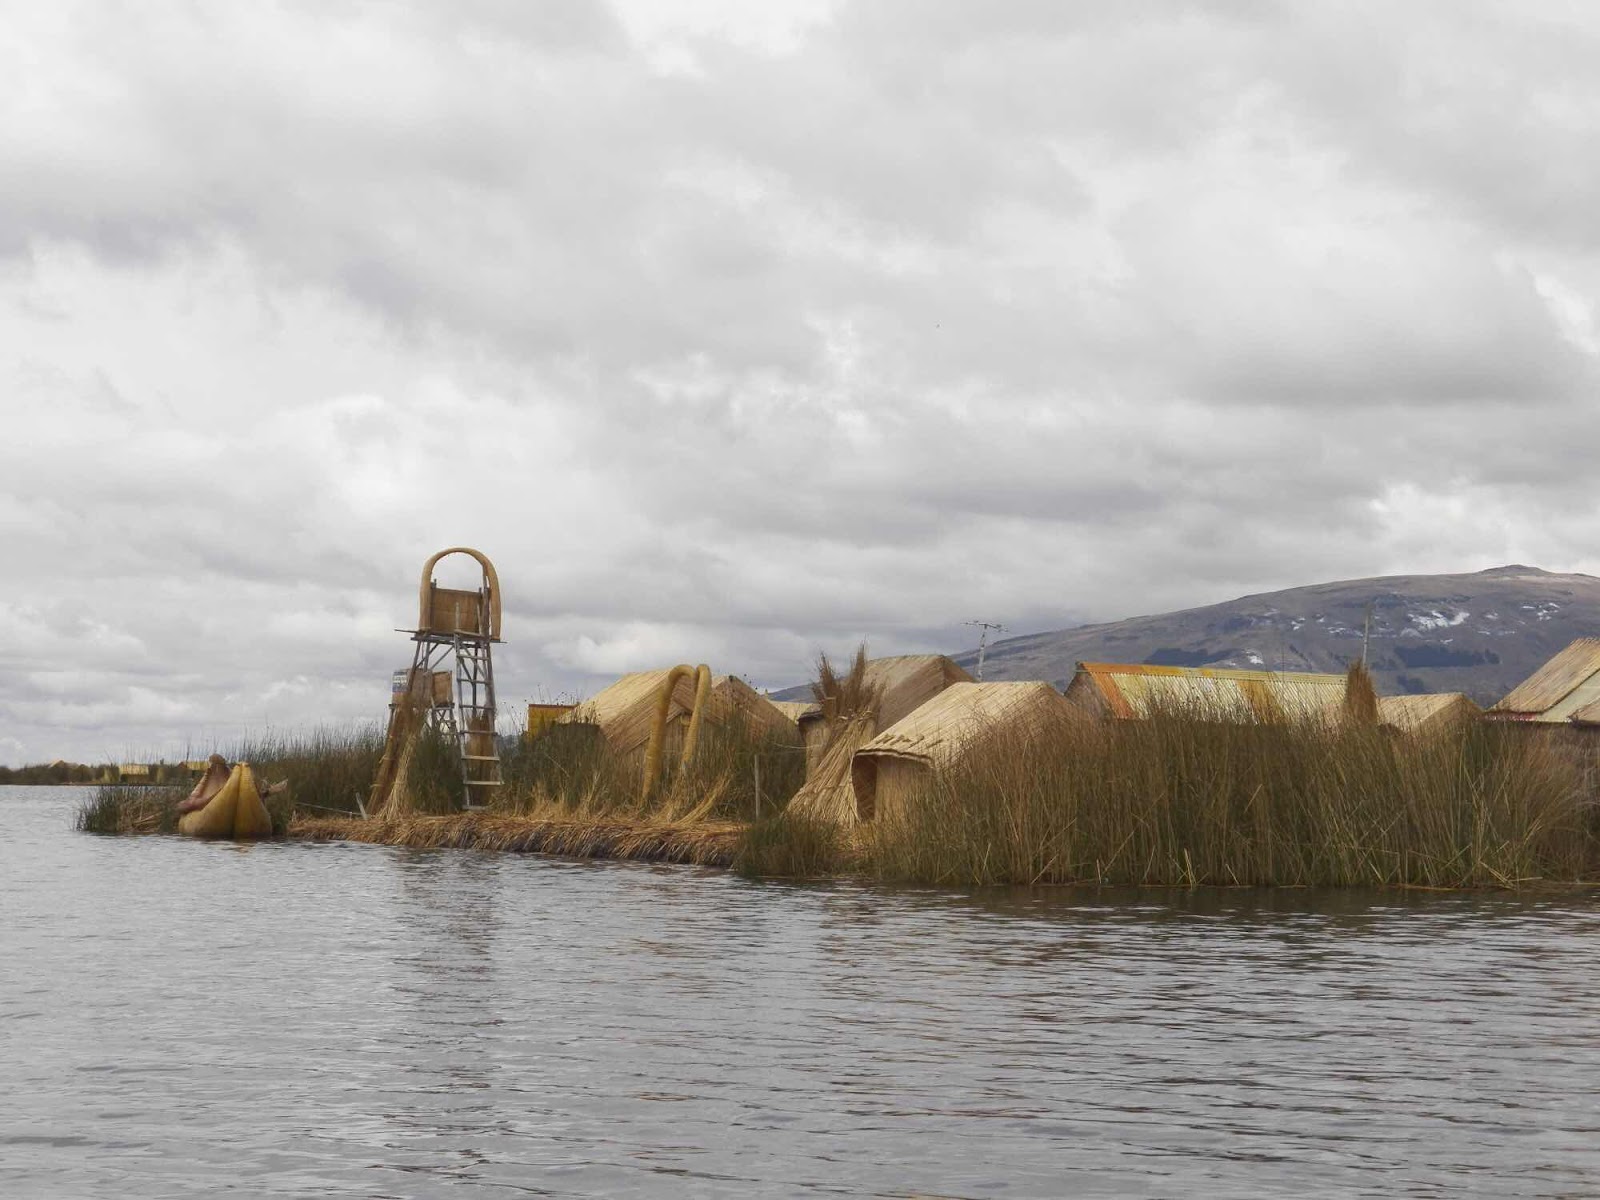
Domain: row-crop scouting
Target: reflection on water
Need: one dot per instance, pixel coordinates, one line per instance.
(178, 1018)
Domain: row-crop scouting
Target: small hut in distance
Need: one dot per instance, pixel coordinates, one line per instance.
(1427, 712)
(1128, 691)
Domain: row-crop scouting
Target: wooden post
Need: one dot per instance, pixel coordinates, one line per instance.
(758, 787)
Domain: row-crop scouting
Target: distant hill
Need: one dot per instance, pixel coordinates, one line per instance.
(1481, 634)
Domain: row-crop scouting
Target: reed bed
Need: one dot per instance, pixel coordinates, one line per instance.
(568, 773)
(128, 809)
(1177, 800)
(712, 844)
(795, 845)
(327, 769)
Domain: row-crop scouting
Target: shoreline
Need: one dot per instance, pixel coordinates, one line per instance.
(717, 845)
(701, 844)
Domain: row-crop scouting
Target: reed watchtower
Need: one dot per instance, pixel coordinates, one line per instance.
(453, 667)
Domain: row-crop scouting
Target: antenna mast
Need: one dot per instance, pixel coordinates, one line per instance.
(983, 640)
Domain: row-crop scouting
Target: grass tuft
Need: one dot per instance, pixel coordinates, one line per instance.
(1176, 801)
(124, 808)
(793, 846)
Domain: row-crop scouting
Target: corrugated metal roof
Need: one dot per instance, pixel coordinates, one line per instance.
(937, 732)
(1409, 714)
(1139, 689)
(1556, 691)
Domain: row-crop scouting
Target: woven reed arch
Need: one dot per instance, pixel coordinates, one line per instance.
(445, 610)
(658, 727)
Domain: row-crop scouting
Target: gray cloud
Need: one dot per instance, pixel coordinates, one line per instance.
(734, 332)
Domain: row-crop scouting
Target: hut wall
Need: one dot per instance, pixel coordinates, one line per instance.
(885, 784)
(814, 736)
(1083, 693)
(542, 716)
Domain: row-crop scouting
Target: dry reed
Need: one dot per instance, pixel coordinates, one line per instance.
(1186, 801)
(126, 809)
(703, 843)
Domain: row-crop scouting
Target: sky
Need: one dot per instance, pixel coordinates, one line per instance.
(737, 332)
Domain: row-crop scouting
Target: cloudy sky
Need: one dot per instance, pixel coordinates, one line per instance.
(738, 331)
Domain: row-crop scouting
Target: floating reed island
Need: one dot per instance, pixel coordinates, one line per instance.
(908, 770)
(1197, 780)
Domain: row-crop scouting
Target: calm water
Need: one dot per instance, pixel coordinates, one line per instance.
(179, 1018)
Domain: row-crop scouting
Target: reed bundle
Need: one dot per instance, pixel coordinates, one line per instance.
(705, 843)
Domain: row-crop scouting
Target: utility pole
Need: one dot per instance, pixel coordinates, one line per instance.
(1366, 633)
(983, 640)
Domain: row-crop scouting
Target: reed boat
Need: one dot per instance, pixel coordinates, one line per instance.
(235, 811)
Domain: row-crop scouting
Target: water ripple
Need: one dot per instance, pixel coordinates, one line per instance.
(178, 1019)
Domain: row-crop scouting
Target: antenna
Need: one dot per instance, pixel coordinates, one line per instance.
(983, 640)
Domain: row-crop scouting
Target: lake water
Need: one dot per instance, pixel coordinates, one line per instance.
(179, 1018)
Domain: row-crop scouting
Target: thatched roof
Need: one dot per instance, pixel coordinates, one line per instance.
(625, 710)
(904, 683)
(732, 697)
(1557, 691)
(955, 722)
(946, 727)
(1134, 690)
(1413, 714)
(795, 709)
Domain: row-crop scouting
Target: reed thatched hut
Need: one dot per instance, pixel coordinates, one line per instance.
(1130, 691)
(624, 712)
(903, 683)
(795, 710)
(1566, 690)
(1427, 712)
(732, 697)
(904, 759)
(542, 715)
(828, 793)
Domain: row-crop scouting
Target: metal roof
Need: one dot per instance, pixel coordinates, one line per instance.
(1140, 689)
(1556, 691)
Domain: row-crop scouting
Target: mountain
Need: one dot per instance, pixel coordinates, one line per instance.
(1481, 634)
